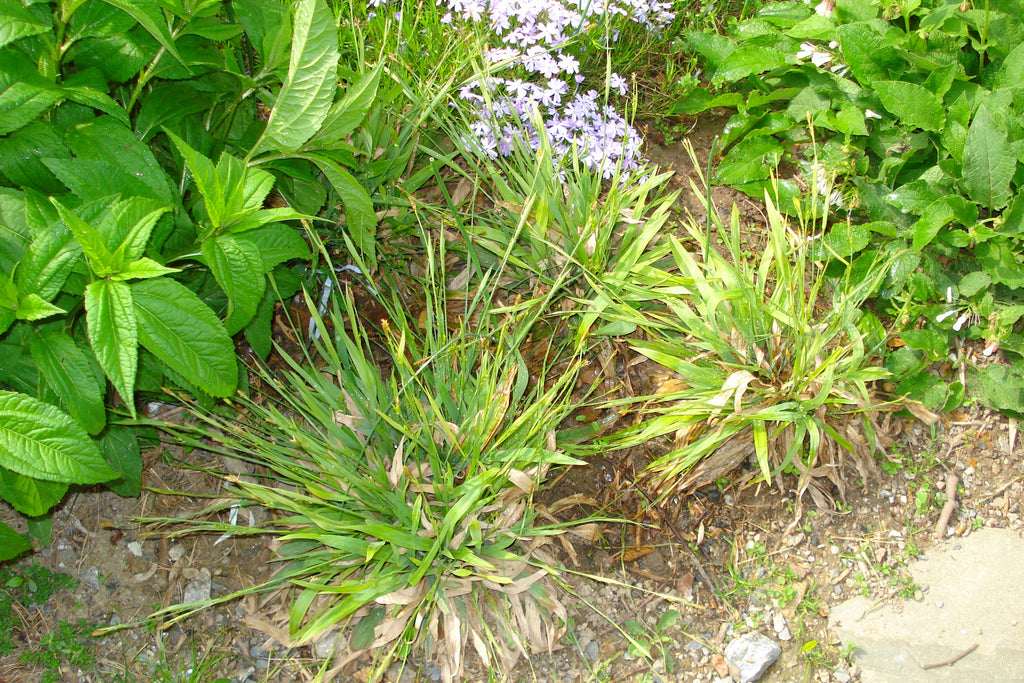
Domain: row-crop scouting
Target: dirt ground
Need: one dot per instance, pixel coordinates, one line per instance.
(727, 559)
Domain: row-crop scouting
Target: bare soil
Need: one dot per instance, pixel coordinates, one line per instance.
(728, 559)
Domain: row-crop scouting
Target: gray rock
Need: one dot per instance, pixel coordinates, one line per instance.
(90, 577)
(198, 589)
(592, 650)
(752, 654)
(324, 647)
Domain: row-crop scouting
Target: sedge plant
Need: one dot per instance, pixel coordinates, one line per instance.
(767, 358)
(401, 459)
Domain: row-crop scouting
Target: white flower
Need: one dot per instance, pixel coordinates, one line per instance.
(869, 114)
(825, 8)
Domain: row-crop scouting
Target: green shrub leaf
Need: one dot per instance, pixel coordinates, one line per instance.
(350, 110)
(120, 447)
(16, 22)
(24, 94)
(12, 543)
(307, 93)
(73, 375)
(38, 440)
(359, 215)
(28, 495)
(182, 331)
(914, 105)
(113, 334)
(238, 267)
(989, 162)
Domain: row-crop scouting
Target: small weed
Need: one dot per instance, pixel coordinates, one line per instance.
(650, 642)
(68, 640)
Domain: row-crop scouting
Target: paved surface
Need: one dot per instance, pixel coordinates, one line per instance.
(975, 595)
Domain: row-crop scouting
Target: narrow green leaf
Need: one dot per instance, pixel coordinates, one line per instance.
(913, 104)
(38, 440)
(28, 495)
(96, 99)
(101, 261)
(359, 215)
(12, 543)
(307, 93)
(142, 269)
(989, 162)
(33, 307)
(182, 331)
(206, 178)
(120, 447)
(74, 376)
(138, 235)
(238, 268)
(350, 110)
(113, 334)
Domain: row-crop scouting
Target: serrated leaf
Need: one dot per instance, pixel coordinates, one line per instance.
(142, 269)
(913, 104)
(12, 543)
(359, 215)
(96, 99)
(73, 375)
(28, 495)
(238, 268)
(113, 334)
(151, 17)
(307, 93)
(48, 261)
(20, 154)
(974, 282)
(276, 243)
(32, 307)
(101, 261)
(16, 22)
(868, 54)
(110, 160)
(182, 331)
(989, 162)
(38, 440)
(120, 447)
(351, 109)
(24, 94)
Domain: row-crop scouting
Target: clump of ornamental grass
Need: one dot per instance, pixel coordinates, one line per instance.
(401, 493)
(767, 358)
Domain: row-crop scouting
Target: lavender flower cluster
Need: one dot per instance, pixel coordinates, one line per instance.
(535, 42)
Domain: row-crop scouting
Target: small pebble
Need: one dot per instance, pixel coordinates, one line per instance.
(939, 604)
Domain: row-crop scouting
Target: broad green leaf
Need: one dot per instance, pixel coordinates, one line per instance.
(12, 543)
(138, 234)
(239, 271)
(49, 260)
(747, 60)
(120, 447)
(868, 54)
(989, 162)
(113, 334)
(359, 215)
(1000, 387)
(209, 182)
(16, 22)
(350, 110)
(38, 440)
(150, 17)
(914, 105)
(750, 159)
(974, 282)
(700, 100)
(15, 234)
(307, 93)
(20, 154)
(28, 495)
(182, 331)
(276, 243)
(74, 376)
(110, 160)
(24, 94)
(119, 57)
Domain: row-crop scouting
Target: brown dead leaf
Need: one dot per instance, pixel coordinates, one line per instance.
(572, 501)
(636, 552)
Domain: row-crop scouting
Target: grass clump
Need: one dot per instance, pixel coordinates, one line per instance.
(767, 361)
(401, 457)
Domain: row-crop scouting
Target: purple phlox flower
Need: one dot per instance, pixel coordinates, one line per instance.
(617, 82)
(501, 54)
(568, 64)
